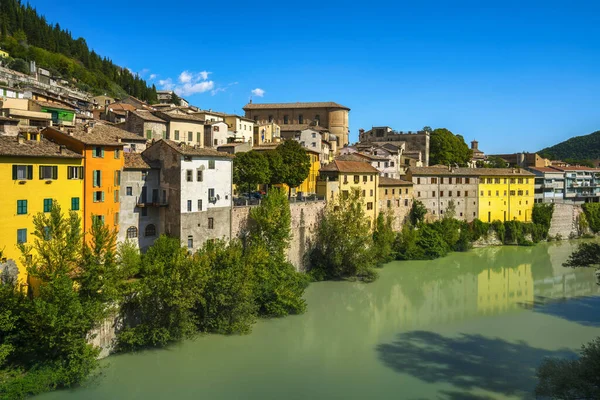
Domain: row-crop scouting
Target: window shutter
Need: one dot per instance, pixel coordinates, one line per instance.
(41, 177)
(14, 172)
(95, 178)
(70, 172)
(55, 172)
(102, 152)
(99, 178)
(30, 172)
(80, 172)
(102, 196)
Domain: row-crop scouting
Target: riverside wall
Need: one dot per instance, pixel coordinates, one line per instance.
(304, 220)
(565, 221)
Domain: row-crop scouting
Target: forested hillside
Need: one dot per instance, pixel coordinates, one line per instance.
(27, 36)
(585, 147)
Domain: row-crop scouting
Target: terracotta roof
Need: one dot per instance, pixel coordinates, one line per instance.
(273, 146)
(184, 117)
(470, 171)
(53, 105)
(300, 127)
(266, 106)
(10, 146)
(100, 134)
(115, 107)
(384, 181)
(230, 145)
(136, 161)
(351, 157)
(350, 166)
(187, 150)
(147, 116)
(237, 116)
(371, 157)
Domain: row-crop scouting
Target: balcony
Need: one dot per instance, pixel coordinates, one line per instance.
(142, 203)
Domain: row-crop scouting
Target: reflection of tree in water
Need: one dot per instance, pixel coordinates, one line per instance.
(468, 362)
(582, 310)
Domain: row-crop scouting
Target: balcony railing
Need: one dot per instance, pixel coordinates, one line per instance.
(141, 202)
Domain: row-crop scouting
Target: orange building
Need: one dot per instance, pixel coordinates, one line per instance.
(102, 148)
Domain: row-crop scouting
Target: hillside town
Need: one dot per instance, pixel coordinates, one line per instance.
(151, 169)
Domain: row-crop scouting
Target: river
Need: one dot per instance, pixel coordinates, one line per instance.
(469, 326)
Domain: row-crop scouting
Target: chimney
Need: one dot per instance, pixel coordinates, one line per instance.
(20, 138)
(61, 149)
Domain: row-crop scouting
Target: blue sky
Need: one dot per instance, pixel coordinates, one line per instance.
(515, 75)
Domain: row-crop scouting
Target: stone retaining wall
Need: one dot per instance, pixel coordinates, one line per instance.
(565, 221)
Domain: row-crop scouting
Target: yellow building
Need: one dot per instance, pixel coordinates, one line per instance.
(344, 176)
(395, 196)
(33, 173)
(505, 194)
(504, 289)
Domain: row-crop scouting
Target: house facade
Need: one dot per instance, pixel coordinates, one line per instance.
(241, 128)
(395, 197)
(216, 134)
(183, 128)
(34, 172)
(145, 124)
(197, 183)
(505, 194)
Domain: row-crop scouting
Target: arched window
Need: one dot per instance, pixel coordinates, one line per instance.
(132, 232)
(150, 230)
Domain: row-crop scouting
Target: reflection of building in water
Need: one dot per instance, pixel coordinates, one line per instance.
(503, 289)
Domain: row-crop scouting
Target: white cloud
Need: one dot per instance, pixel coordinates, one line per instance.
(166, 84)
(189, 83)
(258, 92)
(185, 77)
(193, 88)
(152, 77)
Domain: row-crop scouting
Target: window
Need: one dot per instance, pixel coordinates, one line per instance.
(356, 179)
(527, 193)
(21, 207)
(433, 194)
(364, 193)
(144, 212)
(176, 135)
(116, 194)
(74, 203)
(100, 218)
(482, 193)
(433, 180)
(98, 196)
(450, 193)
(467, 180)
(286, 119)
(22, 172)
(189, 206)
(520, 180)
(166, 135)
(512, 180)
(116, 219)
(520, 193)
(512, 192)
(418, 181)
(117, 154)
(199, 138)
(21, 235)
(497, 193)
(48, 172)
(190, 136)
(370, 205)
(466, 193)
(418, 194)
(489, 193)
(98, 152)
(47, 205)
(189, 175)
(118, 178)
(458, 193)
(199, 204)
(190, 242)
(371, 193)
(74, 172)
(459, 180)
(199, 176)
(300, 119)
(394, 191)
(211, 223)
(405, 202)
(211, 164)
(386, 192)
(489, 180)
(129, 191)
(371, 178)
(150, 230)
(314, 135)
(97, 178)
(314, 144)
(211, 195)
(149, 134)
(364, 178)
(450, 180)
(270, 118)
(132, 232)
(389, 203)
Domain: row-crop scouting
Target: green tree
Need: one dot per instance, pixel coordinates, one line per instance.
(586, 255)
(417, 213)
(383, 238)
(446, 148)
(295, 164)
(249, 170)
(571, 379)
(492, 162)
(175, 99)
(342, 247)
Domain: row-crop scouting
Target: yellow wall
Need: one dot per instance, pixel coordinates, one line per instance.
(369, 190)
(34, 191)
(184, 128)
(505, 198)
(502, 290)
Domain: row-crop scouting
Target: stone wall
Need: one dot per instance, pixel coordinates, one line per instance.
(305, 217)
(104, 335)
(565, 220)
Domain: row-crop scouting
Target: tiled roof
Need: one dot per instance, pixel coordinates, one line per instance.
(187, 150)
(576, 168)
(53, 105)
(351, 157)
(371, 157)
(10, 146)
(384, 181)
(177, 116)
(427, 171)
(266, 106)
(100, 134)
(136, 161)
(350, 166)
(8, 119)
(546, 169)
(115, 107)
(147, 116)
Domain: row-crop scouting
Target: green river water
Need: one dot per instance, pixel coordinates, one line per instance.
(469, 326)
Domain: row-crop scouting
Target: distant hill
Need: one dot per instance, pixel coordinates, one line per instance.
(585, 147)
(27, 36)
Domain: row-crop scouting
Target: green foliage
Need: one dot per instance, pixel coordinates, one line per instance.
(500, 230)
(479, 229)
(175, 99)
(295, 163)
(383, 238)
(276, 170)
(541, 216)
(29, 37)
(571, 379)
(592, 215)
(249, 170)
(586, 147)
(342, 247)
(493, 162)
(432, 242)
(417, 213)
(447, 148)
(279, 288)
(586, 255)
(19, 65)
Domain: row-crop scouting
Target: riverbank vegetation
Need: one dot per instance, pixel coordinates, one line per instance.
(165, 295)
